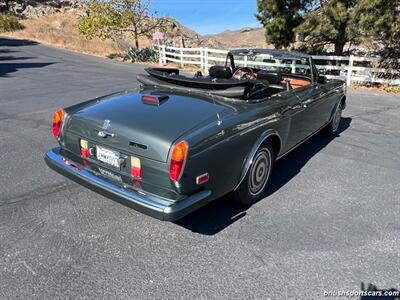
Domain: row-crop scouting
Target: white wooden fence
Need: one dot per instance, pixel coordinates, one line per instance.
(349, 68)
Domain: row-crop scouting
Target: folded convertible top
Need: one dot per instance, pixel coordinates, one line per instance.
(172, 76)
(232, 92)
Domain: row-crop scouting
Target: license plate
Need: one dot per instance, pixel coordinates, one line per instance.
(108, 156)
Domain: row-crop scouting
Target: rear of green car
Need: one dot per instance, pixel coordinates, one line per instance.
(131, 147)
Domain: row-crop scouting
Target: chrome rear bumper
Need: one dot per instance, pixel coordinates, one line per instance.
(150, 205)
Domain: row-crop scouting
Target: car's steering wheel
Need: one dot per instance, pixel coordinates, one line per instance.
(244, 73)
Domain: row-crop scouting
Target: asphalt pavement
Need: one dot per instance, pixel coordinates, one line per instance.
(330, 222)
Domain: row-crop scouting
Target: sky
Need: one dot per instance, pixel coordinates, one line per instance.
(209, 16)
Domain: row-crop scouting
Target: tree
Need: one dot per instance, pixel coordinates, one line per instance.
(379, 21)
(332, 23)
(111, 19)
(312, 25)
(280, 18)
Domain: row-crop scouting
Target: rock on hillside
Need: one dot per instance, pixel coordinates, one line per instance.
(179, 35)
(31, 9)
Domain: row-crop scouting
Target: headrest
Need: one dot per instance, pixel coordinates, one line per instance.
(220, 72)
(272, 77)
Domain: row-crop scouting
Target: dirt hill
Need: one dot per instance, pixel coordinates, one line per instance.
(245, 37)
(60, 30)
(179, 35)
(55, 22)
(32, 9)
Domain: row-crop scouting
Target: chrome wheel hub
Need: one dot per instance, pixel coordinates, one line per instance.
(259, 172)
(336, 118)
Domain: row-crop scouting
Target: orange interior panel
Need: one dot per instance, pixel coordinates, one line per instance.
(296, 82)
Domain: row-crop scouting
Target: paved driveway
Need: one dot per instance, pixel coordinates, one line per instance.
(331, 221)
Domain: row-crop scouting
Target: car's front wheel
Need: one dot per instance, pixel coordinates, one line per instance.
(254, 184)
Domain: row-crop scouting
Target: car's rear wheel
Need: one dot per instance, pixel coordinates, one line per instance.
(253, 186)
(333, 126)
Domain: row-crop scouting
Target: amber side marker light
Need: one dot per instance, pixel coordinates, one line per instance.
(178, 158)
(57, 122)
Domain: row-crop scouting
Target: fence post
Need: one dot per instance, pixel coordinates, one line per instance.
(163, 55)
(245, 61)
(293, 66)
(205, 56)
(181, 51)
(201, 59)
(160, 60)
(349, 70)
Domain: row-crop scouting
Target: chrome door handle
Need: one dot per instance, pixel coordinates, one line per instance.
(297, 106)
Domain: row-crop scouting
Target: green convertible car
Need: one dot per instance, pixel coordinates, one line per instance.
(178, 142)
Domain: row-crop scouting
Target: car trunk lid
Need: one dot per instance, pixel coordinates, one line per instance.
(130, 124)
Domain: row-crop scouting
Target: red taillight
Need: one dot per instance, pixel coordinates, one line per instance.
(57, 122)
(84, 148)
(178, 160)
(136, 169)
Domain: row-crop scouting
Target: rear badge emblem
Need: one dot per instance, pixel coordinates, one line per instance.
(104, 133)
(106, 124)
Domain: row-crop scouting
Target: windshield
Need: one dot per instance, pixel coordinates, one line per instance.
(264, 61)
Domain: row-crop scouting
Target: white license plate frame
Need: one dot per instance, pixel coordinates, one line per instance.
(107, 156)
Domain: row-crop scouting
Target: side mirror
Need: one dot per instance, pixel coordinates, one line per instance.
(322, 79)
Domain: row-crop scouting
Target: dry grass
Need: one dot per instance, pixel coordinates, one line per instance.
(378, 88)
(60, 30)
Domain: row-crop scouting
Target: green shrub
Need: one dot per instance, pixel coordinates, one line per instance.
(9, 23)
(143, 55)
(391, 88)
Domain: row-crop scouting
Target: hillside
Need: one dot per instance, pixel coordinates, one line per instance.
(60, 30)
(55, 22)
(245, 37)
